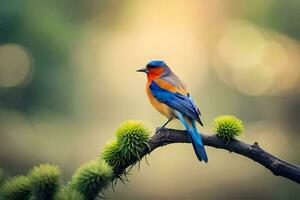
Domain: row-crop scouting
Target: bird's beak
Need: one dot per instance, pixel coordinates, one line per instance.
(145, 70)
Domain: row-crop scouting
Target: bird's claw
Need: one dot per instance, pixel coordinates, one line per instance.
(227, 142)
(159, 129)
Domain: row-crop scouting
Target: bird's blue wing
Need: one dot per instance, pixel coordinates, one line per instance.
(194, 105)
(178, 102)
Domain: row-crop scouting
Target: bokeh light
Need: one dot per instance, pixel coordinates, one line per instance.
(241, 45)
(15, 65)
(256, 61)
(68, 79)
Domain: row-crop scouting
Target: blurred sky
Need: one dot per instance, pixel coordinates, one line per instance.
(67, 81)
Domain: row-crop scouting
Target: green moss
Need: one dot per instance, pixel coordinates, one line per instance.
(228, 127)
(131, 140)
(45, 180)
(16, 188)
(68, 194)
(92, 178)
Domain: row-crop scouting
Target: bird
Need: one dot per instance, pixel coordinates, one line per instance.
(169, 95)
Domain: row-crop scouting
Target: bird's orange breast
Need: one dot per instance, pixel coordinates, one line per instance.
(161, 107)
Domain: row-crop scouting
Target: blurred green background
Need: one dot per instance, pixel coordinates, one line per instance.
(67, 80)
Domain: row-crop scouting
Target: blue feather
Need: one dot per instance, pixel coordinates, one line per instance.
(177, 101)
(195, 138)
(156, 63)
(183, 106)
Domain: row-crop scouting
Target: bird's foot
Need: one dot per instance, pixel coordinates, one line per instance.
(227, 142)
(160, 129)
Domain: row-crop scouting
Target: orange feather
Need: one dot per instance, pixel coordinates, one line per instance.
(167, 86)
(154, 73)
(161, 107)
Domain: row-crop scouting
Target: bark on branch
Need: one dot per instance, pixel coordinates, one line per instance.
(253, 151)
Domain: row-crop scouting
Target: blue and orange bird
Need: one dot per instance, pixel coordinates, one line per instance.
(169, 96)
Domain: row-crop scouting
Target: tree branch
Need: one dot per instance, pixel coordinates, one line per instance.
(277, 166)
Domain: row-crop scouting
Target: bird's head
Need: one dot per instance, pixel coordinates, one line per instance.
(155, 69)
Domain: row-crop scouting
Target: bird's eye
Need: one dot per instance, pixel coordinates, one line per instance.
(150, 66)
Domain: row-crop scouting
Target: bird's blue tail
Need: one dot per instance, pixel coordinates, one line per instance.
(195, 138)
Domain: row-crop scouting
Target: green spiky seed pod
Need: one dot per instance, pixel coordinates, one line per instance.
(113, 156)
(45, 180)
(133, 137)
(132, 131)
(131, 140)
(92, 178)
(228, 127)
(16, 188)
(68, 194)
